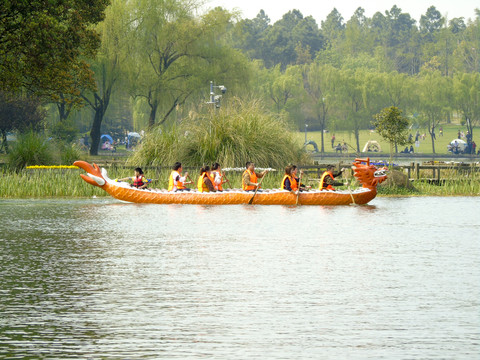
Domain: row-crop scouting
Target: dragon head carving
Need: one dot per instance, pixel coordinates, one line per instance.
(94, 175)
(368, 174)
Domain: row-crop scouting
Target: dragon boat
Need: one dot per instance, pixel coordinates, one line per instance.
(367, 174)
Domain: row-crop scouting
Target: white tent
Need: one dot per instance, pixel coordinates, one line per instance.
(458, 143)
(134, 135)
(372, 145)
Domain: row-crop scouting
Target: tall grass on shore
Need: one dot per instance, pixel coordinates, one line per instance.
(231, 136)
(454, 182)
(45, 183)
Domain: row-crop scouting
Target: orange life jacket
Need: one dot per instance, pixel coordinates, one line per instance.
(253, 179)
(293, 182)
(171, 183)
(201, 186)
(213, 176)
(137, 182)
(322, 181)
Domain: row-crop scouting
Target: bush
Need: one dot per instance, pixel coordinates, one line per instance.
(65, 130)
(30, 149)
(231, 136)
(70, 153)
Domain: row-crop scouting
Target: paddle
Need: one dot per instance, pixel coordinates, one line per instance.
(189, 179)
(226, 180)
(299, 184)
(260, 183)
(350, 191)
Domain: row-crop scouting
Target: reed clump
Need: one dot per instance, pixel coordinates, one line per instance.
(230, 135)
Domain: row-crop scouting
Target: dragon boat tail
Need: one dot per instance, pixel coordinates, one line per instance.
(367, 174)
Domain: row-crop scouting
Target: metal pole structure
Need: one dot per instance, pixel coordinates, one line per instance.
(306, 126)
(212, 94)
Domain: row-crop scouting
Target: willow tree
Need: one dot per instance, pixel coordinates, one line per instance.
(114, 30)
(466, 89)
(320, 83)
(352, 100)
(177, 53)
(392, 126)
(432, 93)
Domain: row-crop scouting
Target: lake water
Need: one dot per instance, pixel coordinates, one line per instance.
(397, 279)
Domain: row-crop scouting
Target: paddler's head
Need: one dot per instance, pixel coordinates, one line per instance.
(177, 167)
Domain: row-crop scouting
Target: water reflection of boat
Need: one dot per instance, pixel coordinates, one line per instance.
(367, 174)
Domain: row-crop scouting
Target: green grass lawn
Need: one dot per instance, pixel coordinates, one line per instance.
(449, 133)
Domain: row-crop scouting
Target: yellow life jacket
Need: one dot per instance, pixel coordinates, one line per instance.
(322, 181)
(202, 187)
(171, 182)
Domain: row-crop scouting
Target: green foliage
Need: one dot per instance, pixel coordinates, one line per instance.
(231, 136)
(30, 149)
(42, 43)
(392, 126)
(69, 153)
(65, 130)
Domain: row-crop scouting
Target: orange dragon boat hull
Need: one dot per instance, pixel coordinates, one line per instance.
(366, 173)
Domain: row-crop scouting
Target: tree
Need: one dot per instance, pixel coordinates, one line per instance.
(175, 54)
(432, 92)
(108, 64)
(250, 34)
(358, 38)
(352, 100)
(392, 126)
(466, 89)
(20, 113)
(467, 54)
(282, 86)
(320, 82)
(43, 45)
(431, 22)
(333, 27)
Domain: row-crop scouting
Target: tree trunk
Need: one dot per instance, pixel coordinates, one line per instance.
(4, 142)
(153, 113)
(390, 164)
(322, 128)
(357, 139)
(323, 122)
(95, 131)
(63, 108)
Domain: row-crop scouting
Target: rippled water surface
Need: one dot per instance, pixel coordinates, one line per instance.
(399, 278)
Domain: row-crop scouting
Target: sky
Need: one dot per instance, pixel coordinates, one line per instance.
(319, 9)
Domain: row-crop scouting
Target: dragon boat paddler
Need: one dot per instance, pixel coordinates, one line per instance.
(177, 182)
(218, 177)
(250, 177)
(139, 180)
(327, 181)
(205, 180)
(291, 182)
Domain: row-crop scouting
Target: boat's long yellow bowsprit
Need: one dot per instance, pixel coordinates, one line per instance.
(368, 175)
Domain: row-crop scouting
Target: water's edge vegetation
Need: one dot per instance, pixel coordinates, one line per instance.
(47, 183)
